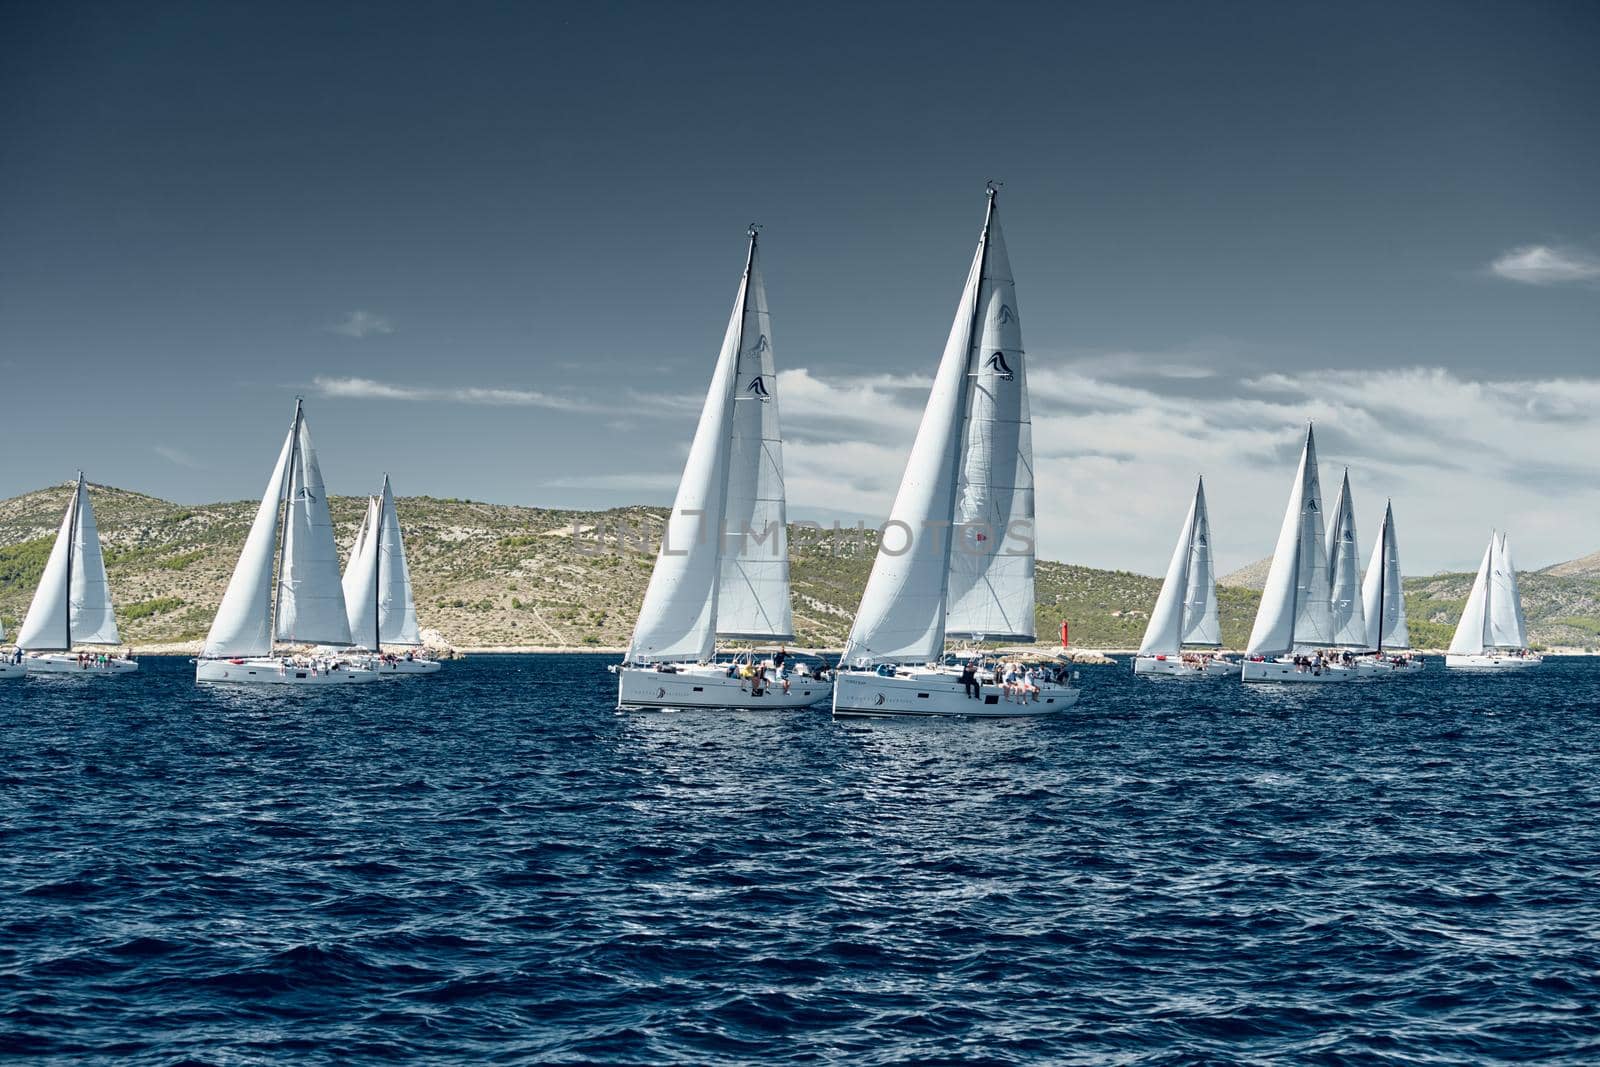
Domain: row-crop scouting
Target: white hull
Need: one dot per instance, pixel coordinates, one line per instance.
(708, 686)
(12, 670)
(922, 692)
(1491, 661)
(1274, 670)
(401, 668)
(68, 663)
(273, 671)
(1369, 667)
(1176, 667)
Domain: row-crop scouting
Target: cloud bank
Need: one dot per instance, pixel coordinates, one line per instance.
(1546, 265)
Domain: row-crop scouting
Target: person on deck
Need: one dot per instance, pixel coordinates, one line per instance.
(969, 681)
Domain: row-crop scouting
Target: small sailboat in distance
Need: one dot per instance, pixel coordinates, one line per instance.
(72, 606)
(723, 567)
(377, 593)
(1384, 607)
(957, 556)
(1493, 632)
(1185, 615)
(1295, 620)
(286, 585)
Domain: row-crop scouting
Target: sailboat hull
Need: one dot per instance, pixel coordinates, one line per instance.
(12, 670)
(1275, 670)
(1177, 667)
(1491, 661)
(401, 668)
(1371, 667)
(274, 671)
(924, 693)
(708, 686)
(68, 663)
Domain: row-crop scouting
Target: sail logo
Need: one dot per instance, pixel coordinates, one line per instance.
(306, 494)
(1007, 316)
(997, 363)
(761, 345)
(758, 387)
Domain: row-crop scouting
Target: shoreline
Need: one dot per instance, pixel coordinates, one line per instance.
(1088, 655)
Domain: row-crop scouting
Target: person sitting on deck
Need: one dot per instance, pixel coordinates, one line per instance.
(969, 680)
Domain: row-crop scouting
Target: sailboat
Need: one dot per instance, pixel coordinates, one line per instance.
(300, 604)
(1345, 606)
(1493, 631)
(72, 606)
(1295, 620)
(956, 558)
(723, 567)
(377, 592)
(1185, 615)
(1384, 606)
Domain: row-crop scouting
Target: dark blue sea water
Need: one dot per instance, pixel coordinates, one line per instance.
(492, 866)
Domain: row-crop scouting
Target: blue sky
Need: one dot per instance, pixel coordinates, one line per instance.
(494, 246)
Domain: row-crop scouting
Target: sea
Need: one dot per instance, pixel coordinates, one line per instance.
(493, 866)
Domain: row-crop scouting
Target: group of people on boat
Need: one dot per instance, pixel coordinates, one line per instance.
(1018, 682)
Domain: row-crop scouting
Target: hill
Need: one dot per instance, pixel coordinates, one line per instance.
(491, 575)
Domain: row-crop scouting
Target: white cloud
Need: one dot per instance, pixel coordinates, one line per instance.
(177, 456)
(362, 324)
(1546, 265)
(1116, 462)
(369, 389)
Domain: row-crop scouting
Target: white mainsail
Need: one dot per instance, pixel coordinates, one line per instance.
(1472, 630)
(1344, 574)
(360, 584)
(956, 558)
(397, 607)
(1294, 611)
(1186, 609)
(1382, 593)
(723, 567)
(1507, 627)
(309, 605)
(72, 605)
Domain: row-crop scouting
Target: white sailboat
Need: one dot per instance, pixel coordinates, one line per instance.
(377, 593)
(1384, 605)
(72, 606)
(302, 604)
(1493, 631)
(723, 567)
(1295, 621)
(956, 559)
(1185, 615)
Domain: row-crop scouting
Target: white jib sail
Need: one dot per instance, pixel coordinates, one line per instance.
(360, 583)
(902, 613)
(310, 594)
(243, 626)
(1294, 611)
(1472, 630)
(1506, 628)
(753, 576)
(72, 605)
(397, 608)
(1202, 624)
(990, 593)
(677, 620)
(1344, 574)
(1383, 597)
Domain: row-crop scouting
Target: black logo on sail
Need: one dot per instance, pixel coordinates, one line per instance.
(997, 363)
(1007, 316)
(758, 387)
(761, 345)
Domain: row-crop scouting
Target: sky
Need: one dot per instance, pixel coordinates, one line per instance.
(494, 247)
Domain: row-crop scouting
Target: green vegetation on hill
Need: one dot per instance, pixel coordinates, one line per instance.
(490, 574)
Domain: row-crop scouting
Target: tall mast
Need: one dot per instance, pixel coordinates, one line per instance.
(72, 540)
(721, 532)
(1188, 565)
(1383, 569)
(377, 569)
(284, 499)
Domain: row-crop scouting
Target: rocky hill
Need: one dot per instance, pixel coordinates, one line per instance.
(494, 575)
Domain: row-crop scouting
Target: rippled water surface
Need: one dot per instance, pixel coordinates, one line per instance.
(493, 866)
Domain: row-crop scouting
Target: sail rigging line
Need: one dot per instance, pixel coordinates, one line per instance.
(1383, 571)
(73, 512)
